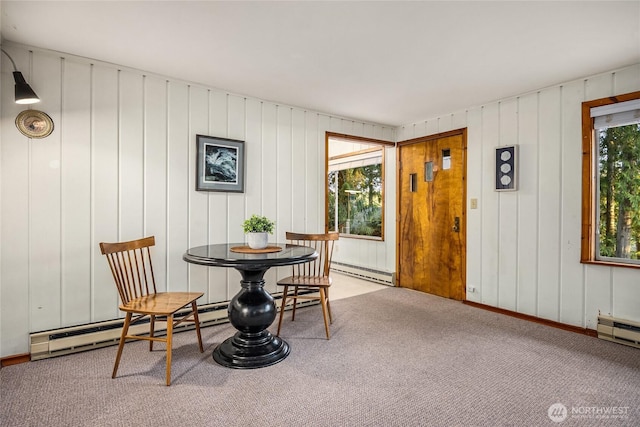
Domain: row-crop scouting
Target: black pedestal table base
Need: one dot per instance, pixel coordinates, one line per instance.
(252, 310)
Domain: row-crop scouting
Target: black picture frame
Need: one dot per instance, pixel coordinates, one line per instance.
(507, 168)
(219, 164)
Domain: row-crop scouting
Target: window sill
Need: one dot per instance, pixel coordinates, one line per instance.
(357, 236)
(611, 264)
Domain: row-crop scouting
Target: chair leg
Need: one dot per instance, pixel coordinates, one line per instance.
(326, 294)
(194, 307)
(125, 329)
(325, 314)
(152, 328)
(282, 304)
(169, 344)
(295, 302)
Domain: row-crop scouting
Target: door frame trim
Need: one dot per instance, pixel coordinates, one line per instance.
(462, 132)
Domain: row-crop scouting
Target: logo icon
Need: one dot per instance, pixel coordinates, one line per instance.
(557, 412)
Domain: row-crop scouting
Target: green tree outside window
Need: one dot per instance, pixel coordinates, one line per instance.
(619, 192)
(358, 194)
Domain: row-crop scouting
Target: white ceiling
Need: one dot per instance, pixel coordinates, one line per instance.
(385, 62)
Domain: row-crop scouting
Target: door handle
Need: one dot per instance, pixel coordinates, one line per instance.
(456, 224)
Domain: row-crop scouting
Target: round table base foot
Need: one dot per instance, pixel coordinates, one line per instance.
(243, 351)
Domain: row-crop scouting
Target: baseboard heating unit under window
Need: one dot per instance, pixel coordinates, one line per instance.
(372, 275)
(91, 336)
(617, 330)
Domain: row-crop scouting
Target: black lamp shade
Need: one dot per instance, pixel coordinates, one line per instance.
(24, 93)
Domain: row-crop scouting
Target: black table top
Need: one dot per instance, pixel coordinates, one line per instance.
(220, 255)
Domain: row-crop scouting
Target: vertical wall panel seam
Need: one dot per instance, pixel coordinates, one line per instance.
(61, 226)
(482, 171)
(322, 151)
(306, 174)
(611, 291)
(144, 155)
(246, 157)
(119, 155)
(209, 132)
(291, 133)
(561, 203)
(584, 266)
(466, 249)
(167, 179)
(226, 134)
(92, 207)
(29, 214)
(537, 278)
(227, 198)
(291, 153)
(498, 211)
(538, 228)
(261, 157)
(189, 157)
(209, 94)
(245, 131)
(518, 182)
(277, 158)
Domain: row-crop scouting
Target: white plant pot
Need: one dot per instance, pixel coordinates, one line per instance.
(258, 240)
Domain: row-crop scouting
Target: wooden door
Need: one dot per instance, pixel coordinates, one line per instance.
(432, 214)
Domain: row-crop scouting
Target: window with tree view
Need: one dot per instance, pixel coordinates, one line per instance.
(355, 193)
(616, 204)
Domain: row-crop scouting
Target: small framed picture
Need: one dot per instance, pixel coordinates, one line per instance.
(219, 164)
(507, 168)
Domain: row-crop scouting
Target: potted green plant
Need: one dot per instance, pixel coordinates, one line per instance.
(257, 228)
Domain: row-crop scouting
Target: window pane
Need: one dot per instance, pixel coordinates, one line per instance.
(359, 200)
(332, 186)
(355, 181)
(619, 192)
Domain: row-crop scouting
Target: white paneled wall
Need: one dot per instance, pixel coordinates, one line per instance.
(120, 165)
(523, 247)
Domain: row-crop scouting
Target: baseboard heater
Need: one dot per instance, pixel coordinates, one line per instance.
(617, 330)
(370, 274)
(75, 339)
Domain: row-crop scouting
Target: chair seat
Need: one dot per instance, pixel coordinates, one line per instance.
(160, 304)
(307, 281)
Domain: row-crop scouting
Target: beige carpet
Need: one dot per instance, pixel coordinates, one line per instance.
(396, 358)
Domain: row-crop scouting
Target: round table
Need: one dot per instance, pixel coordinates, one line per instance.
(252, 310)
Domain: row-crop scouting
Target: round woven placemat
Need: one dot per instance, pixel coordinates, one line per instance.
(248, 250)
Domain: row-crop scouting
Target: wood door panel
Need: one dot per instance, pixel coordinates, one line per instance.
(431, 253)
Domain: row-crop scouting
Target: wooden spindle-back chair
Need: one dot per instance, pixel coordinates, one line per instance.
(130, 264)
(312, 276)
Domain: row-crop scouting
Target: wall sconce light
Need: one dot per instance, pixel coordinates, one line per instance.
(24, 93)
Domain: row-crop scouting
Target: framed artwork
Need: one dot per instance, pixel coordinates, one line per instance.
(506, 168)
(219, 164)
